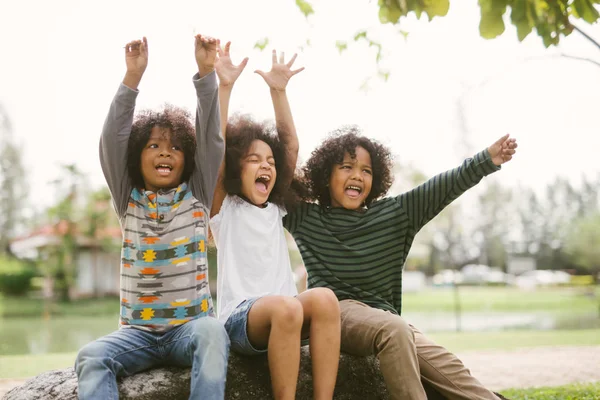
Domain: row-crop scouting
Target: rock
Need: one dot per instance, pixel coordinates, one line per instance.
(247, 378)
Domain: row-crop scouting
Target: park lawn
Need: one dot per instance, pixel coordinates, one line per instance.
(590, 391)
(36, 308)
(28, 365)
(511, 340)
(504, 299)
(584, 300)
(23, 366)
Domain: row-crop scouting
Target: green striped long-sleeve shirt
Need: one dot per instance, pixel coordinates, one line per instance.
(360, 254)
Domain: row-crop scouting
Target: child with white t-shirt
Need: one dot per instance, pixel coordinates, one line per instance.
(256, 294)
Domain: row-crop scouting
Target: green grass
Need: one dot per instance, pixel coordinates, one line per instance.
(28, 365)
(473, 299)
(35, 308)
(23, 366)
(558, 299)
(589, 391)
(510, 340)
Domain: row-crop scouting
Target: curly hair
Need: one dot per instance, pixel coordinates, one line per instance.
(178, 121)
(241, 131)
(318, 168)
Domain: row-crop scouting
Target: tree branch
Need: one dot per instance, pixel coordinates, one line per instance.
(588, 37)
(562, 55)
(580, 59)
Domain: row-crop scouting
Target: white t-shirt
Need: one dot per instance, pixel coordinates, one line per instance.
(252, 254)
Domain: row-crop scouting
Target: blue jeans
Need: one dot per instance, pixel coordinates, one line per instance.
(201, 344)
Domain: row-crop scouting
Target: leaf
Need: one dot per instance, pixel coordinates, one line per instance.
(305, 7)
(436, 8)
(341, 46)
(359, 35)
(491, 25)
(586, 10)
(262, 44)
(524, 28)
(521, 17)
(383, 74)
(389, 13)
(404, 34)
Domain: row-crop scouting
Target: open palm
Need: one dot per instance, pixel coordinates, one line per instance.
(227, 72)
(279, 75)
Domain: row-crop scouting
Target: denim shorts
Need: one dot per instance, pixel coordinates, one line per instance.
(236, 327)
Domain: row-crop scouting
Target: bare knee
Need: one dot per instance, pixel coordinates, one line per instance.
(325, 303)
(287, 311)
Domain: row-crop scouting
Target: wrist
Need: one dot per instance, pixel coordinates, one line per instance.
(132, 79)
(204, 70)
(226, 85)
(277, 91)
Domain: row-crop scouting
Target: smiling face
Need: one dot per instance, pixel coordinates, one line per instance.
(350, 182)
(258, 173)
(162, 161)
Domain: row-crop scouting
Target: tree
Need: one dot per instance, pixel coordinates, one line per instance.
(59, 266)
(12, 181)
(582, 243)
(549, 220)
(97, 219)
(550, 18)
(494, 224)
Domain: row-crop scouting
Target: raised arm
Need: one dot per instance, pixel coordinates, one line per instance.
(117, 126)
(209, 143)
(228, 74)
(277, 79)
(429, 199)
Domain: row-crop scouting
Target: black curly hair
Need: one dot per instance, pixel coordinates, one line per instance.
(241, 131)
(318, 168)
(178, 121)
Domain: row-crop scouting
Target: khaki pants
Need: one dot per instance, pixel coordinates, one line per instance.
(405, 355)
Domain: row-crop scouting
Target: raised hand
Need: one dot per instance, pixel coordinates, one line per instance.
(205, 50)
(226, 71)
(503, 149)
(136, 59)
(279, 75)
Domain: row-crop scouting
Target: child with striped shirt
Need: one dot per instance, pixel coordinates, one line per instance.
(355, 243)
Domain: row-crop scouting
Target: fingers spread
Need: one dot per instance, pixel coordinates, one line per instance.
(291, 62)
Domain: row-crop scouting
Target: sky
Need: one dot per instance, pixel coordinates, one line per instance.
(62, 62)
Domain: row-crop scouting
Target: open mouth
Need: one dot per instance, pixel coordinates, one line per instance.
(353, 191)
(262, 183)
(164, 169)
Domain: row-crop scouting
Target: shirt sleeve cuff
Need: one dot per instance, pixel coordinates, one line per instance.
(484, 163)
(207, 82)
(127, 95)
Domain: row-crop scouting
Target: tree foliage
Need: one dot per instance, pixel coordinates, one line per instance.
(583, 243)
(12, 181)
(551, 19)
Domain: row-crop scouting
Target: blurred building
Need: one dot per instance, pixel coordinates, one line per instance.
(96, 264)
